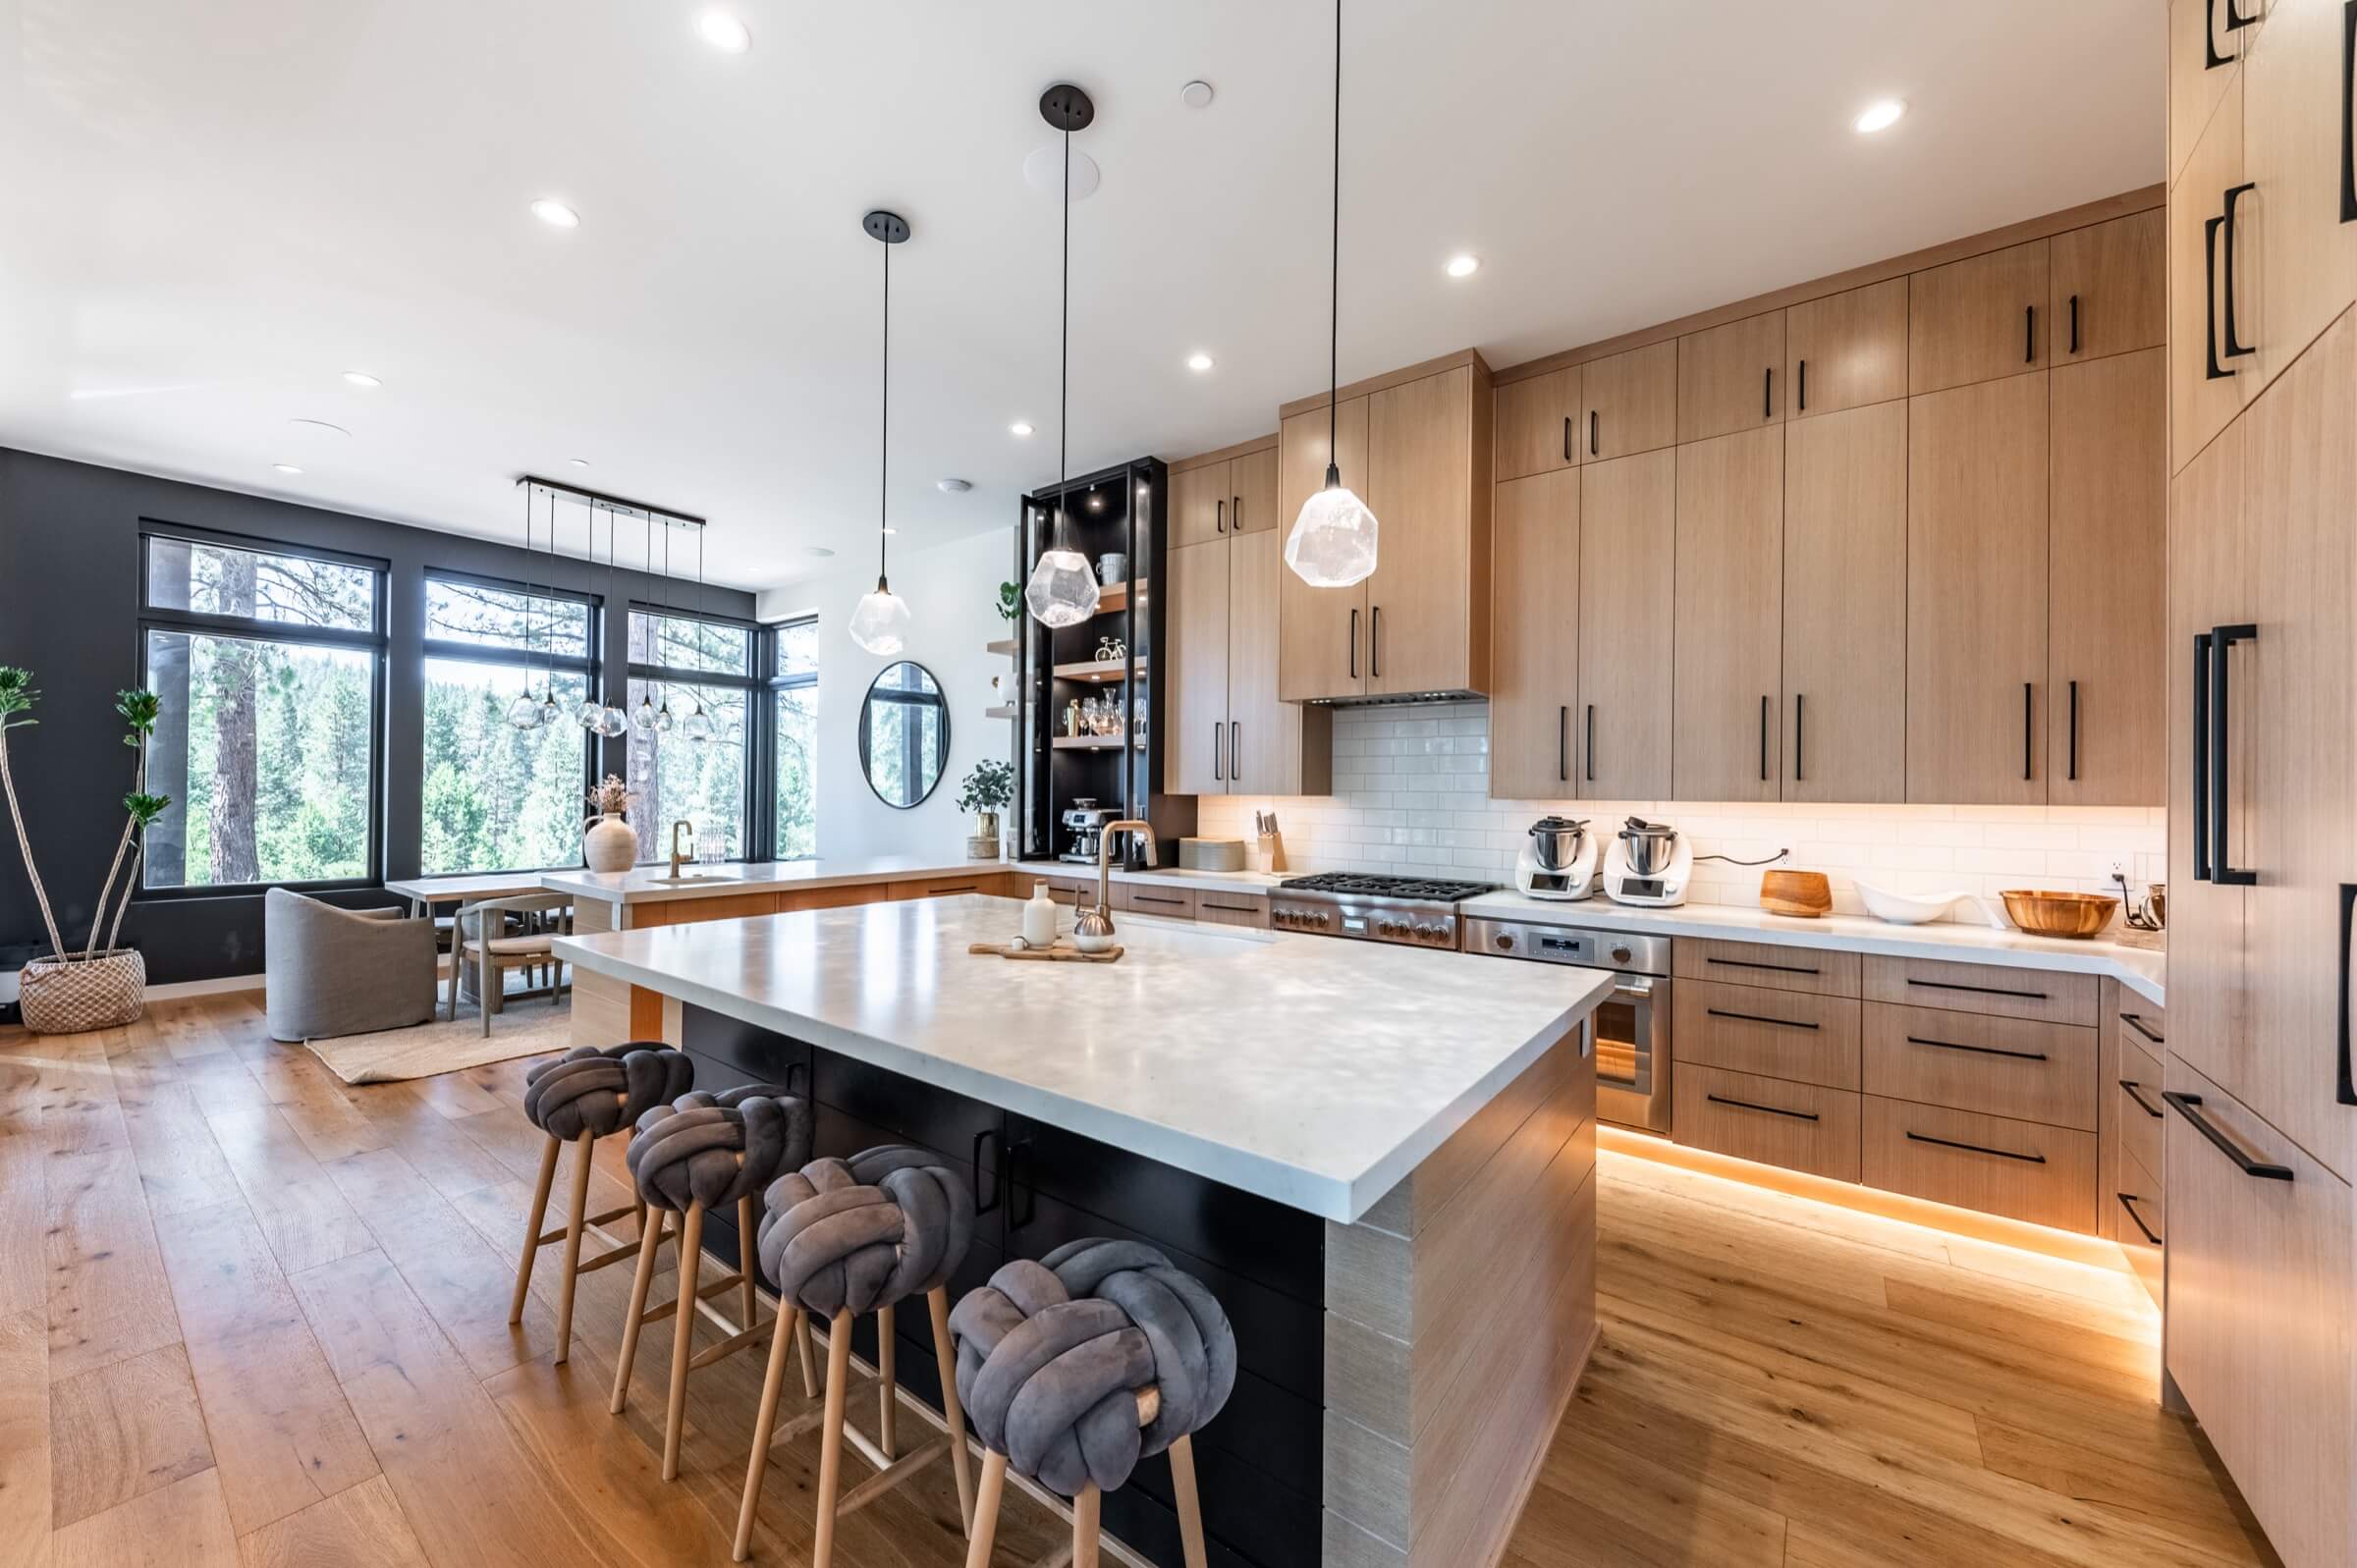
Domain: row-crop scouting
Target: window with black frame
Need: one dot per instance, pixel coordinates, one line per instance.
(689, 701)
(794, 710)
(270, 664)
(500, 795)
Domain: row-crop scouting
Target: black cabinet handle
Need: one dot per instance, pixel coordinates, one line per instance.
(1978, 1051)
(1375, 643)
(1768, 393)
(1219, 517)
(1591, 747)
(2202, 655)
(2212, 369)
(1236, 751)
(1235, 511)
(2073, 775)
(2210, 58)
(2348, 103)
(1764, 711)
(2135, 1090)
(2344, 1089)
(1773, 1111)
(1566, 438)
(1800, 735)
(1976, 1147)
(1800, 386)
(998, 1188)
(2129, 1202)
(2235, 20)
(804, 1068)
(1758, 1017)
(1592, 416)
(1958, 984)
(1216, 728)
(2135, 1021)
(1019, 1159)
(1562, 743)
(2221, 869)
(1354, 642)
(2235, 348)
(1747, 963)
(2190, 1108)
(2028, 728)
(2029, 335)
(2074, 323)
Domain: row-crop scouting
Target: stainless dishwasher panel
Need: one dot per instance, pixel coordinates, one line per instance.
(1629, 1031)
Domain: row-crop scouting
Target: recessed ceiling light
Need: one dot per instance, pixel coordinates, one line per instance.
(579, 463)
(816, 550)
(1096, 503)
(724, 33)
(1881, 115)
(1021, 427)
(1198, 363)
(319, 427)
(556, 214)
(361, 378)
(286, 467)
(1195, 94)
(1463, 266)
(953, 487)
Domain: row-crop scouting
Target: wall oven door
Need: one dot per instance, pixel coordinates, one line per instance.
(1629, 1031)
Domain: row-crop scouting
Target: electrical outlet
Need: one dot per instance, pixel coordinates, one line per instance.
(2119, 869)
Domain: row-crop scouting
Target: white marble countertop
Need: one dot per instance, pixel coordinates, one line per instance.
(650, 884)
(2140, 968)
(1313, 1073)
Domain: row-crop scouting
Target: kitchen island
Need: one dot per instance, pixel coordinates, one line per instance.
(1382, 1161)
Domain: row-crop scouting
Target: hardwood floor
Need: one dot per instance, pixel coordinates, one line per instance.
(252, 1317)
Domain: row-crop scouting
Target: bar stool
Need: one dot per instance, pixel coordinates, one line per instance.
(1076, 1366)
(844, 1237)
(579, 1098)
(702, 1152)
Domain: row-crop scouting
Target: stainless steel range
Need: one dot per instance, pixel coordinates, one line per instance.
(1414, 911)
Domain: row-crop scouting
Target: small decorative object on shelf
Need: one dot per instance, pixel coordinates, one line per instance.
(986, 793)
(98, 987)
(607, 841)
(1113, 566)
(1011, 601)
(1112, 650)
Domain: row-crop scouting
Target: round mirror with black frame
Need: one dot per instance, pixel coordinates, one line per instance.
(904, 735)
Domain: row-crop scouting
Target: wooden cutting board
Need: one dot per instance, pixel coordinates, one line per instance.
(1062, 952)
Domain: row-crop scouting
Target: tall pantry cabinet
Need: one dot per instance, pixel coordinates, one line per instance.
(2261, 1146)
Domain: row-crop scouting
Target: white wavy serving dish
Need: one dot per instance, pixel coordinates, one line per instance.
(1918, 908)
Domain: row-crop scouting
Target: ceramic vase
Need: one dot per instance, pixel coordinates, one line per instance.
(609, 844)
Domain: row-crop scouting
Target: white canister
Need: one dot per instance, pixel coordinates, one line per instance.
(1039, 918)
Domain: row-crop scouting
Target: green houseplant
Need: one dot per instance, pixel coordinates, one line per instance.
(986, 791)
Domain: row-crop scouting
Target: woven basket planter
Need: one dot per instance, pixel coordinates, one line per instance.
(70, 994)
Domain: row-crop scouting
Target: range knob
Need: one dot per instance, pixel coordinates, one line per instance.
(1440, 935)
(1387, 928)
(1324, 919)
(1621, 954)
(1504, 942)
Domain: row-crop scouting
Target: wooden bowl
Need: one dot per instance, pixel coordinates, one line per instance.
(2077, 915)
(1802, 894)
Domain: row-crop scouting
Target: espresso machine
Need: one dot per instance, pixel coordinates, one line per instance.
(1084, 823)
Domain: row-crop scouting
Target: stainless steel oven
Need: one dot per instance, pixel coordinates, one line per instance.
(1629, 1030)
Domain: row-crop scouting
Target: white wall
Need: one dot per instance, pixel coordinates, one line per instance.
(952, 591)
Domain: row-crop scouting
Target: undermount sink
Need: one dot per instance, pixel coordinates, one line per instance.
(690, 875)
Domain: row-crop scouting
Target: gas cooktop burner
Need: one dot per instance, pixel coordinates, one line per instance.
(1353, 885)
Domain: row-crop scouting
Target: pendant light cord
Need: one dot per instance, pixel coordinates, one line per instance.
(1334, 294)
(1063, 373)
(884, 426)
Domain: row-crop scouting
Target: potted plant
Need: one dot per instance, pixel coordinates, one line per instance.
(607, 841)
(98, 987)
(986, 793)
(1011, 601)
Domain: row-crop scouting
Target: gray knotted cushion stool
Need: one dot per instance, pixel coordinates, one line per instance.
(1076, 1366)
(702, 1152)
(843, 1237)
(579, 1098)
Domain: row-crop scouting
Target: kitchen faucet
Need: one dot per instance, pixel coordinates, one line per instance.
(676, 857)
(1098, 922)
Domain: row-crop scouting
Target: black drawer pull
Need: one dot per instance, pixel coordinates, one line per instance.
(998, 1188)
(1764, 716)
(2135, 1090)
(2127, 1200)
(1237, 513)
(2223, 868)
(1761, 1017)
(1148, 897)
(1591, 742)
(1562, 743)
(1375, 643)
(2348, 81)
(2235, 348)
(2073, 775)
(1566, 438)
(1984, 991)
(2029, 335)
(2210, 58)
(2345, 1090)
(1801, 386)
(2190, 1108)
(2135, 1021)
(1216, 728)
(2202, 641)
(1593, 416)
(804, 1068)
(1747, 963)
(1978, 1051)
(1801, 733)
(1354, 642)
(1219, 517)
(2074, 323)
(2212, 370)
(1976, 1147)
(1773, 1111)
(1231, 908)
(2029, 727)
(1768, 393)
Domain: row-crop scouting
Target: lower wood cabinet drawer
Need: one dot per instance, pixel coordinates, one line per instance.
(2022, 1169)
(1971, 1061)
(1775, 1034)
(952, 887)
(2136, 1103)
(1152, 899)
(1765, 963)
(1215, 908)
(2142, 1023)
(1799, 1126)
(1997, 989)
(2141, 1210)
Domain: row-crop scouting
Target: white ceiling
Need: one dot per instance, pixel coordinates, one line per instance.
(208, 211)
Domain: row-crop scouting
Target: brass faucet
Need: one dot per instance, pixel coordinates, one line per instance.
(1098, 922)
(677, 859)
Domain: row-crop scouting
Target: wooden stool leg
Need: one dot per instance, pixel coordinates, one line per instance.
(801, 1336)
(573, 1243)
(888, 1394)
(683, 1340)
(986, 1509)
(1191, 1505)
(830, 1453)
(531, 1233)
(945, 1356)
(650, 1242)
(1084, 1526)
(748, 1260)
(788, 1320)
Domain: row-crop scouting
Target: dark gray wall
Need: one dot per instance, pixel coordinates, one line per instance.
(69, 612)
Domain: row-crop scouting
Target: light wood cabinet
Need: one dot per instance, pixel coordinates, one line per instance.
(1977, 573)
(1539, 423)
(2105, 594)
(2110, 288)
(1252, 477)
(1849, 349)
(1195, 668)
(1627, 556)
(1729, 628)
(1427, 457)
(1534, 660)
(1199, 499)
(1323, 630)
(1772, 1120)
(1998, 1164)
(1727, 377)
(1775, 1034)
(2301, 254)
(2012, 1067)
(2197, 36)
(1846, 605)
(1631, 401)
(1230, 733)
(2205, 383)
(1979, 319)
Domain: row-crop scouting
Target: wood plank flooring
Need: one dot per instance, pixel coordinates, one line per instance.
(252, 1317)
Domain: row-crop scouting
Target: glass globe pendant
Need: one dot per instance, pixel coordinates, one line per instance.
(880, 622)
(1062, 590)
(663, 719)
(591, 716)
(524, 712)
(552, 712)
(880, 619)
(612, 723)
(642, 716)
(698, 725)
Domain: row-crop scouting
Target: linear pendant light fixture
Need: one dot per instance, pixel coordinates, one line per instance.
(1062, 590)
(1333, 542)
(880, 619)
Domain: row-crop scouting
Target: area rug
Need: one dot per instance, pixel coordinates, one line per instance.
(428, 1050)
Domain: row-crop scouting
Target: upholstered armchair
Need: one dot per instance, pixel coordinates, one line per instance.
(334, 971)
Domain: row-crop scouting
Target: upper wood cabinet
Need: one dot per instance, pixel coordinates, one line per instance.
(2203, 59)
(1730, 617)
(1323, 630)
(1627, 616)
(2204, 380)
(1978, 319)
(1252, 479)
(1534, 661)
(1632, 403)
(1977, 569)
(2110, 288)
(2105, 593)
(1539, 424)
(1846, 605)
(1428, 457)
(1194, 667)
(1213, 498)
(1230, 735)
(2301, 254)
(1727, 377)
(1847, 350)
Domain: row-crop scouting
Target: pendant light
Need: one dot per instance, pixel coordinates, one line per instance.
(698, 725)
(1333, 542)
(1062, 590)
(551, 714)
(663, 719)
(880, 621)
(524, 712)
(642, 716)
(591, 715)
